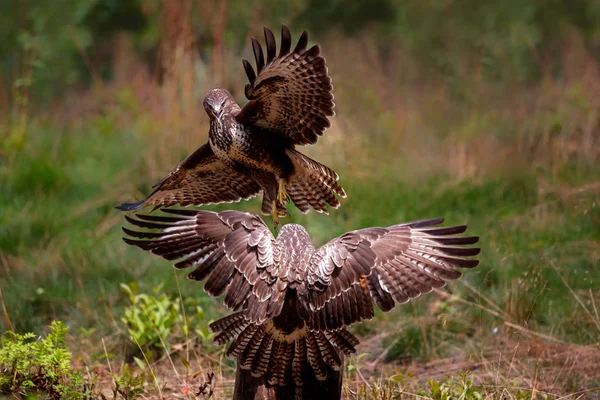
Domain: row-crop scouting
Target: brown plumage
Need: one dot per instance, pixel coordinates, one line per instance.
(252, 149)
(293, 301)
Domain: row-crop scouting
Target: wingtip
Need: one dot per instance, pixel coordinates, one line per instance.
(131, 220)
(426, 223)
(129, 241)
(130, 206)
(302, 43)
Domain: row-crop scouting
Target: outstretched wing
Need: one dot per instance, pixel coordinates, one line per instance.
(385, 265)
(200, 179)
(291, 94)
(233, 251)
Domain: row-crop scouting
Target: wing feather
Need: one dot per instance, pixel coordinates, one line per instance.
(271, 46)
(200, 179)
(258, 55)
(231, 250)
(384, 266)
(290, 95)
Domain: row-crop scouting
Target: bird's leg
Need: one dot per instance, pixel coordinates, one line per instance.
(281, 195)
(278, 210)
(275, 215)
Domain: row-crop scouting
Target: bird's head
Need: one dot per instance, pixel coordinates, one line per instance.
(217, 102)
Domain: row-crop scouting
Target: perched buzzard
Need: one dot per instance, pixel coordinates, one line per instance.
(293, 301)
(252, 149)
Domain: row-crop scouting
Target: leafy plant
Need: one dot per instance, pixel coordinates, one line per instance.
(454, 389)
(128, 384)
(379, 390)
(31, 364)
(152, 318)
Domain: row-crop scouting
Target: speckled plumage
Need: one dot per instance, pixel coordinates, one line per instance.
(252, 149)
(293, 301)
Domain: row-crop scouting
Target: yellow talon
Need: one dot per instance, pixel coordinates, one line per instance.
(275, 215)
(278, 210)
(281, 195)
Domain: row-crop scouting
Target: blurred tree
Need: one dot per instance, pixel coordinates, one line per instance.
(512, 40)
(350, 16)
(112, 24)
(507, 41)
(41, 37)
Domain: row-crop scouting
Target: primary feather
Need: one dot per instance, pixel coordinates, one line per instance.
(251, 149)
(293, 301)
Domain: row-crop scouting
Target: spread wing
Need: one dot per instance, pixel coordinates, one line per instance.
(200, 179)
(385, 265)
(290, 94)
(233, 251)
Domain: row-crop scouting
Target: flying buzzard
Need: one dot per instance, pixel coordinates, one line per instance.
(252, 149)
(293, 301)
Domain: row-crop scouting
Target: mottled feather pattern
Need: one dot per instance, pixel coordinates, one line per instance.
(202, 178)
(295, 301)
(402, 262)
(290, 94)
(250, 150)
(267, 351)
(312, 184)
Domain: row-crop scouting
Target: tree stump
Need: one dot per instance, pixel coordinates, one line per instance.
(250, 388)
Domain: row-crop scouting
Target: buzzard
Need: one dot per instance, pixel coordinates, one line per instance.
(293, 302)
(252, 149)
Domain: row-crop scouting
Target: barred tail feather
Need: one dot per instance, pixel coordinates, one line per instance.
(240, 343)
(315, 357)
(312, 184)
(343, 340)
(228, 328)
(260, 364)
(283, 358)
(299, 361)
(281, 362)
(249, 354)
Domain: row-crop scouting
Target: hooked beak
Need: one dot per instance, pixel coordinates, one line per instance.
(218, 113)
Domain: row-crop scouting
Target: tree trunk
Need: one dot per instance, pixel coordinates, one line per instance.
(249, 388)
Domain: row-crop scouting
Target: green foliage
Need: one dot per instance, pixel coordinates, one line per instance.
(150, 319)
(153, 319)
(394, 388)
(508, 41)
(352, 17)
(49, 32)
(377, 390)
(30, 364)
(129, 384)
(453, 389)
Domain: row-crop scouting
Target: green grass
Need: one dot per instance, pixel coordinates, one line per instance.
(60, 231)
(63, 258)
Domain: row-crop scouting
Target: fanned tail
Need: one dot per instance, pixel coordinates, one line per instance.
(312, 184)
(282, 358)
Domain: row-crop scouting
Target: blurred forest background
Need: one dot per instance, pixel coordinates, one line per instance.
(483, 112)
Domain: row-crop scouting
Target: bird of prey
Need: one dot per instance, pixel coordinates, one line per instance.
(252, 149)
(293, 302)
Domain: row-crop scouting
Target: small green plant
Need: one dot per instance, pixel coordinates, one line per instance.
(128, 384)
(154, 318)
(377, 390)
(29, 364)
(150, 319)
(453, 389)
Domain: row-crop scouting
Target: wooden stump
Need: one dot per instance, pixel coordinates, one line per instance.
(249, 388)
